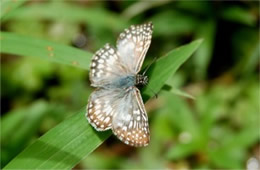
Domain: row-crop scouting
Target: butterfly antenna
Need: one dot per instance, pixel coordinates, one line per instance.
(155, 94)
(149, 65)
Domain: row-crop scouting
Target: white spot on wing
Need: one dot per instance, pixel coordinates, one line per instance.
(107, 120)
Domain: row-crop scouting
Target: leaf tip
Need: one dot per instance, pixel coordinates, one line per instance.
(199, 41)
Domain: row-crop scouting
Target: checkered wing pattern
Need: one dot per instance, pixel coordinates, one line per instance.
(133, 44)
(102, 107)
(130, 122)
(106, 67)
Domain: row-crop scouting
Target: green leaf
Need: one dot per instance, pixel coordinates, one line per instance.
(202, 57)
(240, 15)
(177, 91)
(61, 147)
(69, 12)
(180, 150)
(7, 6)
(232, 153)
(167, 65)
(182, 118)
(73, 139)
(18, 127)
(247, 52)
(189, 138)
(140, 7)
(16, 44)
(183, 23)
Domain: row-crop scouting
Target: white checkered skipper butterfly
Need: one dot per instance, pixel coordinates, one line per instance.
(116, 103)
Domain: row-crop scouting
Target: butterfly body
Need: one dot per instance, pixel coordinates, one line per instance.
(141, 80)
(116, 103)
(125, 82)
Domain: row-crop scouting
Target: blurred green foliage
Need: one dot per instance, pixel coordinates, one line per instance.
(219, 128)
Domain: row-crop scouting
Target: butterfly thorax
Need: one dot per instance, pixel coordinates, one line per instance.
(126, 81)
(129, 81)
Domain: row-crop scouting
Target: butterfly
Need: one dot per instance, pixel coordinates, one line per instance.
(116, 103)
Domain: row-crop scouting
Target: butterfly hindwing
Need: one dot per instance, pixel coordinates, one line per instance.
(133, 44)
(130, 122)
(101, 108)
(123, 111)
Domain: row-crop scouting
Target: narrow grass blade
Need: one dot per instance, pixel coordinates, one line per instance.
(7, 6)
(60, 10)
(177, 91)
(62, 147)
(28, 46)
(18, 128)
(140, 7)
(167, 65)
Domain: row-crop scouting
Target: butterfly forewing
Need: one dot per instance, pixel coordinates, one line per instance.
(130, 122)
(133, 44)
(105, 66)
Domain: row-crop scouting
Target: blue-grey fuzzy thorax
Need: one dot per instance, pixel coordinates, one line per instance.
(125, 82)
(121, 82)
